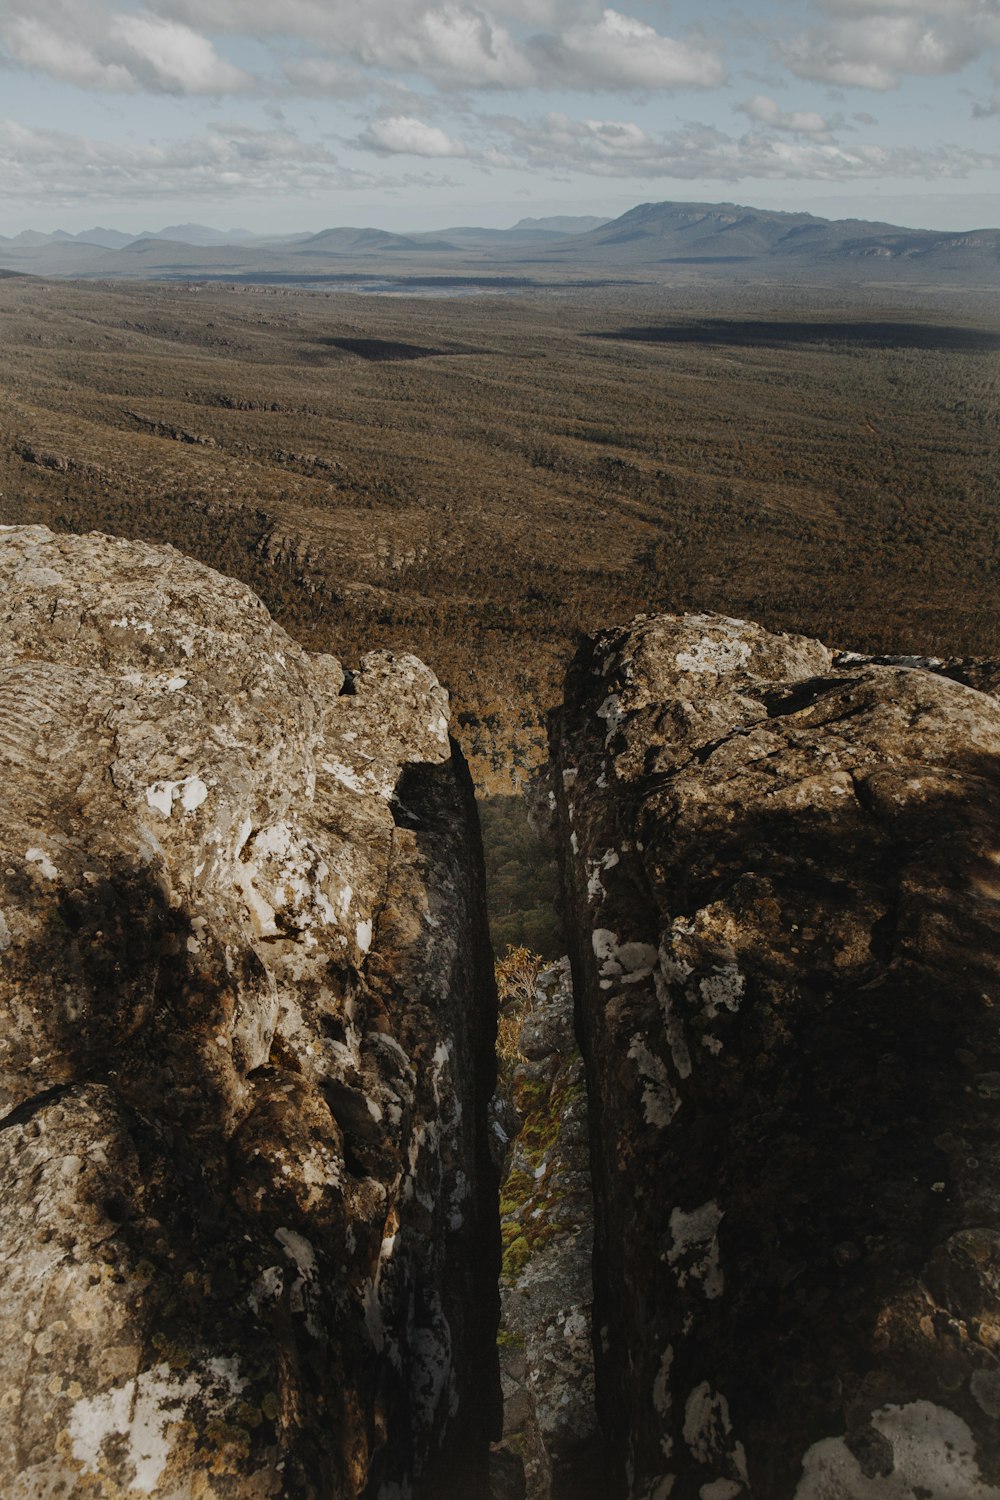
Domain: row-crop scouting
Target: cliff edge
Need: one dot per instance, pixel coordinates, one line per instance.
(783, 908)
(248, 1245)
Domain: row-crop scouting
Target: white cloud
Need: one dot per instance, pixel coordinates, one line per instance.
(619, 52)
(454, 44)
(36, 45)
(56, 167)
(463, 46)
(875, 42)
(324, 78)
(163, 55)
(404, 135)
(87, 46)
(621, 148)
(764, 111)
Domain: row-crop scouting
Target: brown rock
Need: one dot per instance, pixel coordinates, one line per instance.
(248, 1225)
(783, 898)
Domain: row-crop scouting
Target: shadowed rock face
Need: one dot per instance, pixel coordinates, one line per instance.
(248, 1237)
(783, 896)
(546, 1354)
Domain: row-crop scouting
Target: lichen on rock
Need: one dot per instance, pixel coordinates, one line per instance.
(546, 1213)
(783, 907)
(248, 1237)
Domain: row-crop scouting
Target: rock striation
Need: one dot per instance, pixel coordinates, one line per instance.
(546, 1207)
(248, 1245)
(782, 887)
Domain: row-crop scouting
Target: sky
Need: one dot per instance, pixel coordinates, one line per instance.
(291, 115)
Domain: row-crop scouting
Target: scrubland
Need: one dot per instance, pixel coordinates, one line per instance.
(480, 478)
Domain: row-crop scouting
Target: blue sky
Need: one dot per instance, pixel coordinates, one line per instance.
(281, 115)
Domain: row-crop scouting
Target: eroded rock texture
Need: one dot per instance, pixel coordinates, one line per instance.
(783, 891)
(546, 1205)
(247, 1242)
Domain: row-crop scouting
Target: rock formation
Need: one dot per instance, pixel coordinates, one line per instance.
(248, 1245)
(782, 887)
(546, 1206)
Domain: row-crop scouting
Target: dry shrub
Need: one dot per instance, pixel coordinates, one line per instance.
(517, 975)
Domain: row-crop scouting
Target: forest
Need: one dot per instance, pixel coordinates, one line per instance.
(480, 479)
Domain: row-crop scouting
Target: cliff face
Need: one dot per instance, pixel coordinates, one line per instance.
(248, 1245)
(546, 1286)
(783, 904)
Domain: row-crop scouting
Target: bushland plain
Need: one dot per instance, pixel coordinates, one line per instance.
(478, 479)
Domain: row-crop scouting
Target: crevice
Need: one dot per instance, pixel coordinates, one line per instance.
(800, 695)
(22, 1113)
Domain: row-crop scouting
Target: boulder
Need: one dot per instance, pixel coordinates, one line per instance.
(783, 902)
(248, 1242)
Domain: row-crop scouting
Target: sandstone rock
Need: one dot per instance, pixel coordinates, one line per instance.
(248, 1223)
(783, 896)
(546, 1358)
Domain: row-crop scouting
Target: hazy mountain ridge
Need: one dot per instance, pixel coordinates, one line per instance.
(711, 230)
(645, 241)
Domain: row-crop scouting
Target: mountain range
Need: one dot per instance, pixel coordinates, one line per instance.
(652, 240)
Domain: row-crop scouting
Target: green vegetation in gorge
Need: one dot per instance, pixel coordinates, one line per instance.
(522, 880)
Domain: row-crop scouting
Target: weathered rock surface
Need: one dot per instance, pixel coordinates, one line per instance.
(546, 1205)
(248, 1229)
(783, 894)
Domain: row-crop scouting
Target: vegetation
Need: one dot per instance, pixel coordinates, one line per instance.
(516, 975)
(522, 880)
(822, 462)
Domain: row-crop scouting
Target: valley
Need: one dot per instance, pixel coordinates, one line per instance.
(480, 480)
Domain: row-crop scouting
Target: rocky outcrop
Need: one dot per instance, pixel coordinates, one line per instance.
(248, 1240)
(546, 1207)
(783, 896)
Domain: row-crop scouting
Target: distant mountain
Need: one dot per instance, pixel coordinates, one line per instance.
(365, 241)
(197, 234)
(713, 239)
(111, 239)
(706, 233)
(31, 239)
(563, 223)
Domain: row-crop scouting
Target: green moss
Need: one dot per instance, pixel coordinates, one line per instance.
(515, 1257)
(529, 1203)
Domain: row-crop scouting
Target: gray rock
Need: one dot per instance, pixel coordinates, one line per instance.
(783, 900)
(546, 1354)
(248, 1233)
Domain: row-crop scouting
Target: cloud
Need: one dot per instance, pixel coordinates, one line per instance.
(404, 135)
(95, 49)
(620, 148)
(455, 44)
(873, 43)
(324, 78)
(55, 167)
(951, 8)
(618, 52)
(764, 111)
